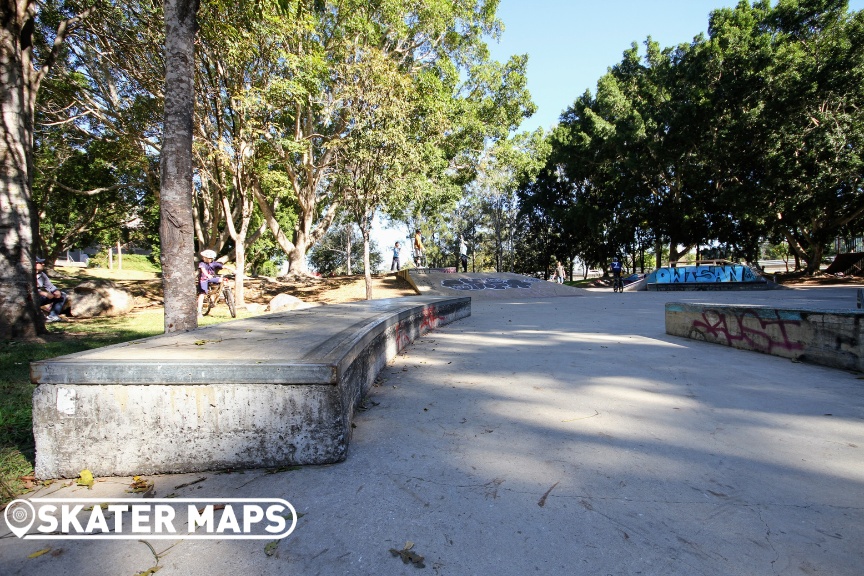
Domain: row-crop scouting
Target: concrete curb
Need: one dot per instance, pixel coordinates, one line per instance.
(827, 337)
(249, 393)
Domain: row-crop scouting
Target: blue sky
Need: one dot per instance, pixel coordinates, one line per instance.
(571, 43)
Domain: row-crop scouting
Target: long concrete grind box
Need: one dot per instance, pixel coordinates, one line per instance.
(269, 391)
(833, 338)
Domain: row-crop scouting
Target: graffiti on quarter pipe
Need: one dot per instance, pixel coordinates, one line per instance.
(488, 283)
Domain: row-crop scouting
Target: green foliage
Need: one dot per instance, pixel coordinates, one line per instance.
(754, 131)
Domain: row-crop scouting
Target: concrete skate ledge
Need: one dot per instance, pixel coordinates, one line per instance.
(827, 337)
(274, 390)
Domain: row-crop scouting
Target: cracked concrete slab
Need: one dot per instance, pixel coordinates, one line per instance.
(554, 436)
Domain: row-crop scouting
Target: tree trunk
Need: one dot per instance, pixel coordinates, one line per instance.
(177, 228)
(814, 258)
(19, 315)
(239, 274)
(658, 252)
(348, 249)
(367, 272)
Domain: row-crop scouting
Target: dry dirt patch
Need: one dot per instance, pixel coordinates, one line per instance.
(147, 288)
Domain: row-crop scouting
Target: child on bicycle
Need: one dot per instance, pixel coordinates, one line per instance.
(208, 273)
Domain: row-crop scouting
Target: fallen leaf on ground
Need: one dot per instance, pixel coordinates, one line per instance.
(85, 478)
(140, 485)
(407, 556)
(270, 548)
(39, 553)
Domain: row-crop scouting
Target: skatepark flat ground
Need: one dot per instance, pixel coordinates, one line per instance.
(553, 435)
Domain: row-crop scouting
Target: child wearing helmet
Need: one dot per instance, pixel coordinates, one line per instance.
(208, 273)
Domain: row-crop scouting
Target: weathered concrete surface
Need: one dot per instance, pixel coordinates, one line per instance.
(557, 436)
(828, 337)
(274, 390)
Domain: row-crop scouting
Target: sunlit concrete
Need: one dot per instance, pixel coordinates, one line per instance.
(558, 436)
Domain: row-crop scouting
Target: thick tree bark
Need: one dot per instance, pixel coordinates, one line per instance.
(19, 317)
(176, 228)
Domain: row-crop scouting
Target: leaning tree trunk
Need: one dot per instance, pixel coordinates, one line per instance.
(176, 228)
(18, 310)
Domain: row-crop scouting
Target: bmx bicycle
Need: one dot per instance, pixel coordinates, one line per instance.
(215, 291)
(617, 284)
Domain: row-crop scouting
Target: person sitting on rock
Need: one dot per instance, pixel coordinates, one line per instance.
(51, 299)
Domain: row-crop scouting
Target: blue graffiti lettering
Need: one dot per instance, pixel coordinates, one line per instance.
(703, 274)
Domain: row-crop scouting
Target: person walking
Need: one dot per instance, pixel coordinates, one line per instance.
(395, 264)
(559, 273)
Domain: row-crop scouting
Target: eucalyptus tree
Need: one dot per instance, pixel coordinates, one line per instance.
(501, 169)
(381, 160)
(241, 52)
(176, 224)
(31, 38)
(432, 43)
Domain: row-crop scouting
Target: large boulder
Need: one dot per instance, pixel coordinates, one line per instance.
(285, 302)
(99, 298)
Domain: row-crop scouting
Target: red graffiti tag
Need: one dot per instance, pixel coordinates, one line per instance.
(430, 320)
(749, 329)
(402, 337)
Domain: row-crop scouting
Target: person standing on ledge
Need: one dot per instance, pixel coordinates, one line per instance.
(418, 249)
(395, 264)
(463, 254)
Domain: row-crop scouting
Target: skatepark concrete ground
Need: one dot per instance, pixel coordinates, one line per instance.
(552, 435)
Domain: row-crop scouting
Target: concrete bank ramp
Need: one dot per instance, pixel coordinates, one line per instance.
(488, 286)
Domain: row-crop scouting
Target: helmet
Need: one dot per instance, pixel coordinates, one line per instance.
(208, 254)
(614, 259)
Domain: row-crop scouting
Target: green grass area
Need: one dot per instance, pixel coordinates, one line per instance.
(16, 391)
(131, 262)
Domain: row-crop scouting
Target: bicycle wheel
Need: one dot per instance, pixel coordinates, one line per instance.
(229, 299)
(209, 303)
